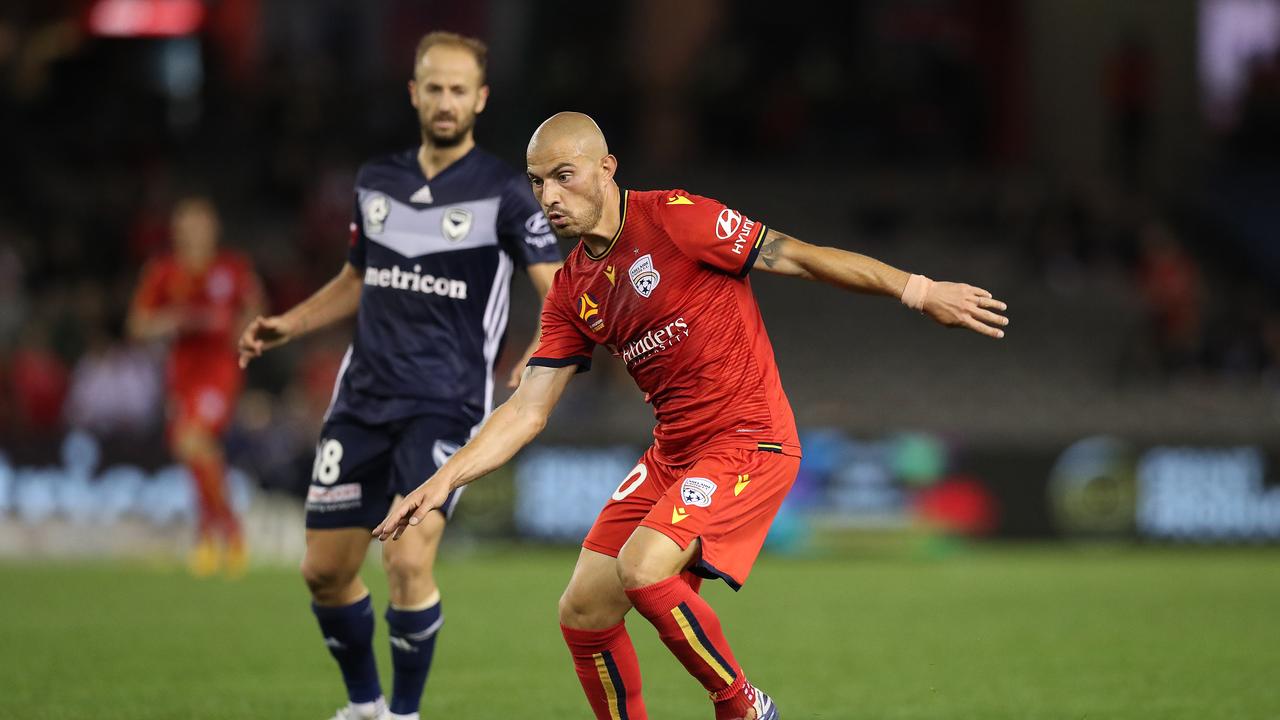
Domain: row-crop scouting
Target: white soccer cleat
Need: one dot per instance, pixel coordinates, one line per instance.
(765, 709)
(376, 710)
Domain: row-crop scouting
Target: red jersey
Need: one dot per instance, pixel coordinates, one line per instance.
(212, 302)
(671, 299)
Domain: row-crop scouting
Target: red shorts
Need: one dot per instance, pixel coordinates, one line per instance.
(727, 498)
(207, 405)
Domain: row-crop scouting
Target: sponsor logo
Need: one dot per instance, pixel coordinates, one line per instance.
(537, 224)
(655, 341)
(422, 196)
(611, 274)
(415, 281)
(376, 209)
(644, 276)
(741, 485)
(539, 231)
(740, 242)
(589, 311)
(456, 223)
(679, 200)
(347, 493)
(678, 514)
(697, 491)
(727, 223)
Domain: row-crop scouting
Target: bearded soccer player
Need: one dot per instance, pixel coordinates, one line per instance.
(660, 279)
(438, 230)
(196, 298)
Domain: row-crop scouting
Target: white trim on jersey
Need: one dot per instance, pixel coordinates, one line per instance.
(496, 311)
(337, 382)
(495, 324)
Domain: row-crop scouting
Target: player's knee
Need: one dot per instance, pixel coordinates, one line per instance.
(581, 610)
(637, 570)
(192, 442)
(326, 579)
(406, 567)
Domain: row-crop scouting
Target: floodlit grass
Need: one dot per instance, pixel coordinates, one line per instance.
(1018, 633)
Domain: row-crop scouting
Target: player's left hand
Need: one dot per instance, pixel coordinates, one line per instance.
(413, 508)
(966, 306)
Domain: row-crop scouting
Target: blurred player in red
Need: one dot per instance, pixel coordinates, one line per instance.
(659, 278)
(197, 299)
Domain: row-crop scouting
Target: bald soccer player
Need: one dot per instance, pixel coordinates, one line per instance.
(660, 279)
(438, 230)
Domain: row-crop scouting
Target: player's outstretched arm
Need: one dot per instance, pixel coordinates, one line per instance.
(541, 275)
(951, 304)
(509, 428)
(146, 324)
(337, 300)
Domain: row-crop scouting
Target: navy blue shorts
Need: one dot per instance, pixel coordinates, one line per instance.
(359, 468)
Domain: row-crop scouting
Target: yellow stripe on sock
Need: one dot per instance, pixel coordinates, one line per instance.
(610, 692)
(697, 646)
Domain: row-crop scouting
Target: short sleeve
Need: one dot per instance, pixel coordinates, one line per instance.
(523, 228)
(355, 251)
(711, 233)
(561, 343)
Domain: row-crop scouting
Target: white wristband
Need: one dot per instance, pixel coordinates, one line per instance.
(914, 293)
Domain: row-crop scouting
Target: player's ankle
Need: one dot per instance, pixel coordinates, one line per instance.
(735, 702)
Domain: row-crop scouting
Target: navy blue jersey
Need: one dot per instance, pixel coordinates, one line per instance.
(437, 259)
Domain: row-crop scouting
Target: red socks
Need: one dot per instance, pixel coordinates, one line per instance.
(216, 516)
(608, 670)
(690, 629)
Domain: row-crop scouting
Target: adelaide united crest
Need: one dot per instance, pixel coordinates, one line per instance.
(644, 276)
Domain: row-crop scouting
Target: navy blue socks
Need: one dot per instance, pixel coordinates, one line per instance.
(348, 632)
(413, 642)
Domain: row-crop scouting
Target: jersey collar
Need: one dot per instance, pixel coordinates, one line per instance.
(417, 166)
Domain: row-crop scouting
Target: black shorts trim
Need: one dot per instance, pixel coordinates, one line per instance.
(704, 569)
(583, 362)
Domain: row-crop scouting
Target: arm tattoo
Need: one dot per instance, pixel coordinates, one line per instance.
(771, 251)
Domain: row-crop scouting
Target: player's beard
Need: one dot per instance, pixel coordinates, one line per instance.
(587, 221)
(462, 126)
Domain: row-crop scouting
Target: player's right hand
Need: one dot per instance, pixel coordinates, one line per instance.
(966, 306)
(263, 334)
(413, 508)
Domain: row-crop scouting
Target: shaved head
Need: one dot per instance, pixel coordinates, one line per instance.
(568, 133)
(571, 172)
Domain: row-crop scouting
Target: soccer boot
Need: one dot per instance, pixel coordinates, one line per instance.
(765, 709)
(204, 559)
(236, 559)
(350, 711)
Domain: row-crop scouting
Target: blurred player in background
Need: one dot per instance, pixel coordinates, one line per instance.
(438, 230)
(197, 298)
(659, 278)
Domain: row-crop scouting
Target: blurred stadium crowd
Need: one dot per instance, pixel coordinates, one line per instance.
(904, 128)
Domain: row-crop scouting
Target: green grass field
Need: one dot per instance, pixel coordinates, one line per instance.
(1018, 633)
